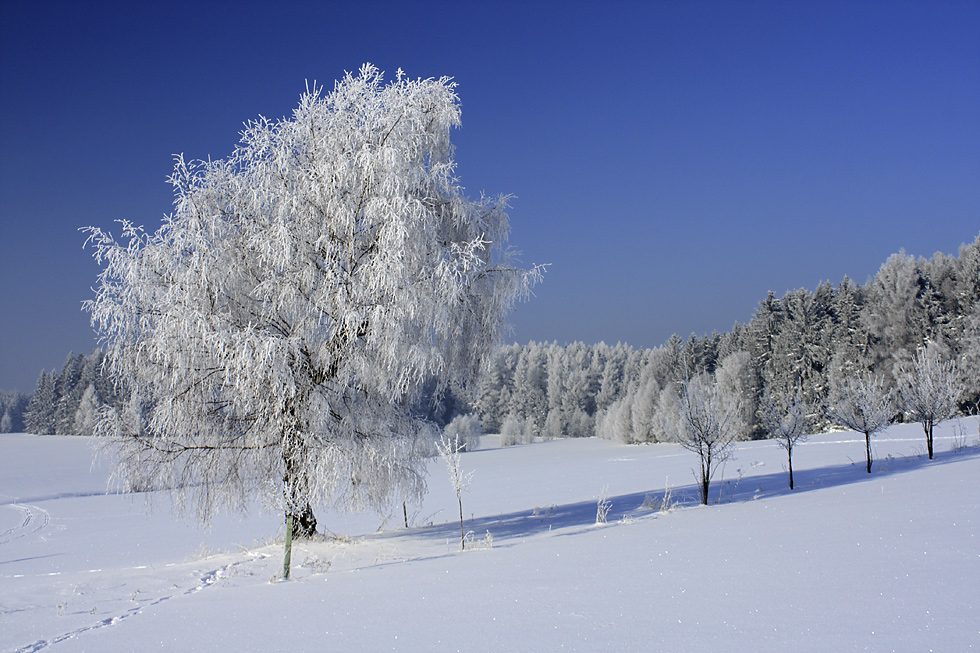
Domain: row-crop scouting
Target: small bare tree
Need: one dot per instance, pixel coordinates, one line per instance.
(708, 421)
(929, 387)
(861, 403)
(784, 419)
(449, 451)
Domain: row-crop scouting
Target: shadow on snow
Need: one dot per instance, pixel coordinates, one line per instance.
(576, 517)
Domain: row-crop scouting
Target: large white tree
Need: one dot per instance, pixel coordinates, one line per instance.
(278, 327)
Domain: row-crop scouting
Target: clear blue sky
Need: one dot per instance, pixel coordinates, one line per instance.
(673, 161)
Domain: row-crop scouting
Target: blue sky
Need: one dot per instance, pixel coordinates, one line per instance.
(672, 161)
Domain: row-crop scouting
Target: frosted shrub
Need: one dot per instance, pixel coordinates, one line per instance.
(514, 430)
(603, 505)
(464, 432)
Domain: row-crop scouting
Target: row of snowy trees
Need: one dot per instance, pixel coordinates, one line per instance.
(805, 343)
(801, 343)
(68, 402)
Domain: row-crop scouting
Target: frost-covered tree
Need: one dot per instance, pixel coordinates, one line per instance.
(496, 390)
(40, 416)
(87, 414)
(969, 361)
(13, 405)
(737, 378)
(861, 403)
(785, 421)
(530, 397)
(275, 331)
(929, 387)
(68, 391)
(707, 422)
(903, 310)
(450, 454)
(514, 430)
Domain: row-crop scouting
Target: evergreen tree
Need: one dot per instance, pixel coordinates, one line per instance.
(40, 417)
(68, 394)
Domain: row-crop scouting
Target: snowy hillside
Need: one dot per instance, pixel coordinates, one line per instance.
(847, 561)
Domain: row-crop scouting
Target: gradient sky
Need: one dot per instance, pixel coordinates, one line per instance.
(672, 161)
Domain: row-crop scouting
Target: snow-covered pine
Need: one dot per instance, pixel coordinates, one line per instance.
(39, 418)
(87, 414)
(278, 326)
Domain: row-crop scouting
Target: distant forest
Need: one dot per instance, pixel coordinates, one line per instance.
(801, 342)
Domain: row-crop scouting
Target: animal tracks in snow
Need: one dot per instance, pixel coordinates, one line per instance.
(144, 587)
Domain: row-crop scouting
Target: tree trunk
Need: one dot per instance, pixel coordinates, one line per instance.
(789, 453)
(304, 522)
(462, 537)
(867, 445)
(927, 427)
(297, 506)
(288, 554)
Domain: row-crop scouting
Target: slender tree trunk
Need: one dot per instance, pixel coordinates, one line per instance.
(405, 513)
(705, 480)
(867, 445)
(462, 537)
(789, 453)
(927, 427)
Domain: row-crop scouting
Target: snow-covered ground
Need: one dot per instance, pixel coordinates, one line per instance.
(847, 561)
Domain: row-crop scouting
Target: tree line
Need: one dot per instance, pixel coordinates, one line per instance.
(805, 343)
(65, 402)
(802, 343)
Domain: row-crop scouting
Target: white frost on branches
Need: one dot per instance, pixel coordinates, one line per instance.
(449, 451)
(861, 403)
(707, 421)
(785, 420)
(278, 326)
(929, 387)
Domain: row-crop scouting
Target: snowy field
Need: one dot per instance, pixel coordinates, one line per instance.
(847, 561)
